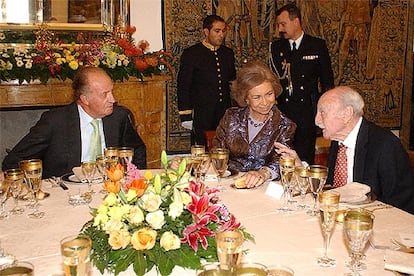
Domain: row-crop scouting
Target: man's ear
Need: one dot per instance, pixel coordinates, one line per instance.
(206, 32)
(348, 113)
(84, 99)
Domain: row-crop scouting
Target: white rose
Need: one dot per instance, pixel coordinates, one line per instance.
(155, 219)
(176, 208)
(150, 202)
(136, 216)
(113, 225)
(170, 241)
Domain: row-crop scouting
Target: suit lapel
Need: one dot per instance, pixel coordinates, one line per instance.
(361, 151)
(73, 142)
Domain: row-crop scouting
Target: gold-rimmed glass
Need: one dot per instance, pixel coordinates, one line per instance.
(4, 190)
(317, 177)
(358, 224)
(197, 150)
(15, 177)
(287, 169)
(111, 156)
(328, 206)
(75, 252)
(219, 158)
(125, 157)
(229, 248)
(32, 169)
(302, 180)
(203, 166)
(88, 171)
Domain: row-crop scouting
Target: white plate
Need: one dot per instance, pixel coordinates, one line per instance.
(71, 178)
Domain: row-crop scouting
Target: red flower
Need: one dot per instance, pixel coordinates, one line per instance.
(141, 65)
(138, 185)
(130, 29)
(194, 233)
(143, 44)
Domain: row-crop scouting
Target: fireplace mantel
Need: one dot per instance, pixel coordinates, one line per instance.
(146, 99)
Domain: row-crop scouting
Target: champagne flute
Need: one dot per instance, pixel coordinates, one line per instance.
(75, 252)
(328, 205)
(204, 165)
(287, 168)
(111, 156)
(301, 174)
(229, 248)
(358, 225)
(219, 159)
(317, 176)
(88, 170)
(125, 156)
(4, 190)
(32, 169)
(15, 177)
(196, 152)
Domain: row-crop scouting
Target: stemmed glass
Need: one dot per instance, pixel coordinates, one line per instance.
(287, 168)
(32, 169)
(196, 152)
(125, 156)
(4, 190)
(317, 176)
(358, 225)
(111, 156)
(301, 175)
(15, 177)
(203, 167)
(229, 248)
(219, 158)
(328, 205)
(100, 165)
(88, 170)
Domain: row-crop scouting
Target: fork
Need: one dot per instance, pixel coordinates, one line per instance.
(403, 247)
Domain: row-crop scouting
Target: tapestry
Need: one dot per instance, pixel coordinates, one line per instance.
(365, 53)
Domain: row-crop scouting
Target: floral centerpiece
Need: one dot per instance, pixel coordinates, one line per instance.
(160, 221)
(116, 53)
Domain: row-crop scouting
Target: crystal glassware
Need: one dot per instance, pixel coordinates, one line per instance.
(203, 166)
(15, 177)
(197, 150)
(229, 248)
(75, 252)
(302, 180)
(88, 170)
(18, 268)
(358, 224)
(111, 156)
(32, 169)
(317, 177)
(328, 206)
(125, 156)
(219, 159)
(287, 168)
(4, 190)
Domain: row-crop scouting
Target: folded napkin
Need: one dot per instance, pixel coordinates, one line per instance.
(353, 192)
(399, 261)
(79, 174)
(274, 189)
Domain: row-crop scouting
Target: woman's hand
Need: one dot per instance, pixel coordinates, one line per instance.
(286, 151)
(256, 178)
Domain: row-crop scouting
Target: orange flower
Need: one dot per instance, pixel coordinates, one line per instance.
(115, 173)
(152, 61)
(112, 186)
(143, 44)
(138, 185)
(144, 239)
(141, 65)
(130, 29)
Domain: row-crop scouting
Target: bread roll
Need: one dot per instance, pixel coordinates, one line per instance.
(240, 183)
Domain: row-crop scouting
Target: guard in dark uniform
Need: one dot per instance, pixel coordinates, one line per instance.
(303, 66)
(203, 82)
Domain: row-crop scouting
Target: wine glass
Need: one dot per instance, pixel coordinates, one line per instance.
(15, 177)
(219, 159)
(196, 151)
(32, 169)
(111, 156)
(358, 225)
(4, 190)
(328, 205)
(301, 175)
(317, 176)
(287, 168)
(229, 248)
(125, 156)
(88, 170)
(203, 167)
(75, 252)
(100, 165)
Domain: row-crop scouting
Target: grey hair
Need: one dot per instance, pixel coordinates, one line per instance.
(348, 96)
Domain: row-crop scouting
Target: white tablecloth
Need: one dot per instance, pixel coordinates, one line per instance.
(294, 239)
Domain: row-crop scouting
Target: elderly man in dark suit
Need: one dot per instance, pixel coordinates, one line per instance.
(371, 155)
(62, 137)
(302, 64)
(203, 81)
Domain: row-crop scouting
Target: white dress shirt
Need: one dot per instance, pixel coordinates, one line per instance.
(350, 143)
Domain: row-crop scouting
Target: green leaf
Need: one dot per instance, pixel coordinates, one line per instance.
(181, 168)
(140, 264)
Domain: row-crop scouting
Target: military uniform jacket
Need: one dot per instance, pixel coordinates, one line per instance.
(301, 72)
(203, 84)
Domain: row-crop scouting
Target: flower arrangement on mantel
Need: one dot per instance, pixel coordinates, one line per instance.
(116, 53)
(159, 221)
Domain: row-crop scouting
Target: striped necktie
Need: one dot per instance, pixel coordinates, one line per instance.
(95, 145)
(341, 172)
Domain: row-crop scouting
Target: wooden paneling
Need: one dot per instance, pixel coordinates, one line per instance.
(146, 100)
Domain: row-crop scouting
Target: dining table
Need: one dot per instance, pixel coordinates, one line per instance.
(292, 239)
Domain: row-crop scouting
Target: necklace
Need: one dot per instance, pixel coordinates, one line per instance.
(256, 123)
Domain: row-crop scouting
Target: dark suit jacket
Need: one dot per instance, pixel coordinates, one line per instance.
(56, 139)
(309, 66)
(382, 163)
(204, 89)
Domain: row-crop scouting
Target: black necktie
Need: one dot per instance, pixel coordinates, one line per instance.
(293, 47)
